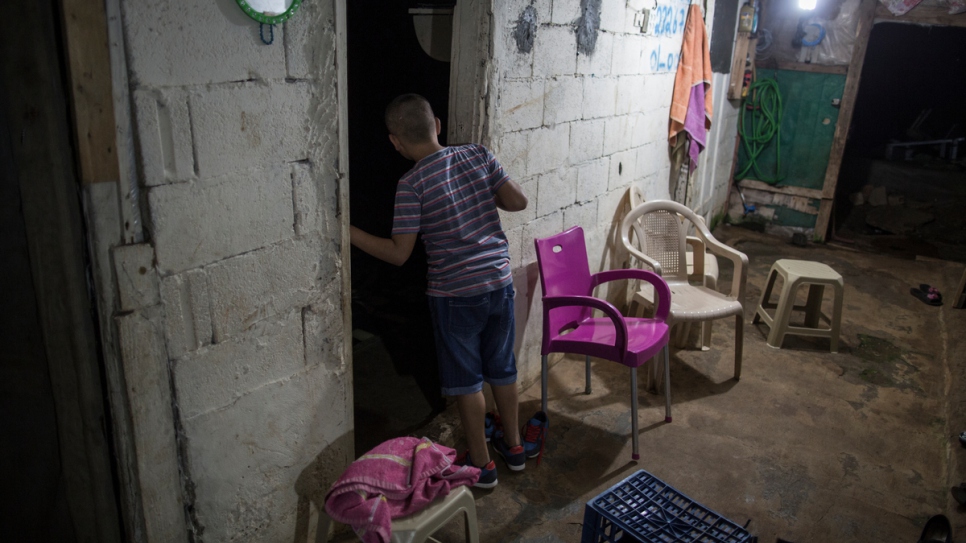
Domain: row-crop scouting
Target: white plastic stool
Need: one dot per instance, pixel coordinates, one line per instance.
(797, 273)
(418, 527)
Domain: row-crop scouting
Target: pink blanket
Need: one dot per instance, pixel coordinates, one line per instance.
(397, 478)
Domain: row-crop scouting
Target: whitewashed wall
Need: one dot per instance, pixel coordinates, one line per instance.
(230, 315)
(577, 130)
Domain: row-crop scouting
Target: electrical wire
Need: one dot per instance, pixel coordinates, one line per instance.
(760, 127)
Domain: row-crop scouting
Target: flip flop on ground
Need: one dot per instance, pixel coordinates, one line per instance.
(926, 297)
(928, 289)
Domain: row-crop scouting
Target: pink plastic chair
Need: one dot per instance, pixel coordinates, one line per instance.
(570, 327)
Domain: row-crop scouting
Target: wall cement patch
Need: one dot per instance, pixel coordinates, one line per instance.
(525, 30)
(587, 26)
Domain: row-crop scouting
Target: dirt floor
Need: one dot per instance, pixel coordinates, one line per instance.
(809, 446)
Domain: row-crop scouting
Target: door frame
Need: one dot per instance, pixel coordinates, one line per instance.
(870, 13)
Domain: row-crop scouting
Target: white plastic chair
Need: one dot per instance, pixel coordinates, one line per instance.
(660, 241)
(705, 273)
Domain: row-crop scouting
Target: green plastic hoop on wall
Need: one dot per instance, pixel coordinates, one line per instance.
(269, 19)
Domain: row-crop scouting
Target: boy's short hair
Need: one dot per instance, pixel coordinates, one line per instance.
(411, 118)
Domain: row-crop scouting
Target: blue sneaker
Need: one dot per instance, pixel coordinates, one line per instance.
(515, 458)
(535, 435)
(487, 473)
(491, 425)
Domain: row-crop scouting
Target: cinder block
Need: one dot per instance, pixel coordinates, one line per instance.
(324, 331)
(267, 282)
(658, 92)
(247, 125)
(187, 317)
(565, 12)
(563, 99)
(612, 15)
(515, 239)
(630, 94)
(556, 191)
(197, 43)
(214, 377)
(310, 41)
(521, 105)
(650, 127)
(248, 460)
(315, 200)
(617, 134)
(547, 225)
(598, 63)
(513, 220)
(622, 169)
(549, 148)
(584, 215)
(651, 159)
(600, 97)
(198, 223)
(149, 399)
(514, 152)
(516, 64)
(137, 279)
(609, 204)
(586, 140)
(554, 51)
(626, 53)
(164, 135)
(592, 178)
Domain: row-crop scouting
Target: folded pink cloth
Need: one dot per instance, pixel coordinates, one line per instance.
(396, 479)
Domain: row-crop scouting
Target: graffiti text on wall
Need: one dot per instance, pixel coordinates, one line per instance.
(669, 19)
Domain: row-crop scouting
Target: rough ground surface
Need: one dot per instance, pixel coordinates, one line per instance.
(808, 446)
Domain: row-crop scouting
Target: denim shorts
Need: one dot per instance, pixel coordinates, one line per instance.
(474, 341)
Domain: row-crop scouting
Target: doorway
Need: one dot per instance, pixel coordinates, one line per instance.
(395, 378)
(902, 186)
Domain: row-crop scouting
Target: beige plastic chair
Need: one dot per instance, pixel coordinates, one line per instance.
(418, 527)
(660, 231)
(795, 274)
(706, 272)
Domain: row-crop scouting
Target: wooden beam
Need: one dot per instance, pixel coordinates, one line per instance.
(91, 97)
(925, 15)
(803, 67)
(789, 190)
(742, 42)
(468, 73)
(864, 29)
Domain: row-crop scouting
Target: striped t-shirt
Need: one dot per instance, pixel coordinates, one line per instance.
(448, 196)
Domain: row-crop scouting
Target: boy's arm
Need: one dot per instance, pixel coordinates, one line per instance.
(394, 250)
(510, 197)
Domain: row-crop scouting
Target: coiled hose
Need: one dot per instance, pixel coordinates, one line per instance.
(758, 128)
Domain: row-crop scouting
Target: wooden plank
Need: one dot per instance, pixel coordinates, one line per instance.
(468, 73)
(791, 191)
(959, 296)
(91, 97)
(803, 67)
(864, 28)
(738, 65)
(926, 15)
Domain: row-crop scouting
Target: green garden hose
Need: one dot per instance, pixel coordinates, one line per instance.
(758, 128)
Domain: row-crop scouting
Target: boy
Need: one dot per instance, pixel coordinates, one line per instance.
(451, 196)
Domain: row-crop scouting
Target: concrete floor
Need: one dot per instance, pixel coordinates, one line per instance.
(809, 446)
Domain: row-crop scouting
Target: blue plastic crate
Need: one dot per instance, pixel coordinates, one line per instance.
(646, 509)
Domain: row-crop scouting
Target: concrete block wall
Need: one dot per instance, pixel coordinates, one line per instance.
(231, 317)
(577, 128)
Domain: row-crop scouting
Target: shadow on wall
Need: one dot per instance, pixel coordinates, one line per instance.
(313, 484)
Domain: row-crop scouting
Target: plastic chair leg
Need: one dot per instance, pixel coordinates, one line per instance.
(706, 335)
(813, 305)
(836, 323)
(635, 452)
(543, 383)
(780, 323)
(667, 384)
(587, 372)
(739, 343)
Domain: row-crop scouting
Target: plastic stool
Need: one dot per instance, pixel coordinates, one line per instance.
(417, 528)
(797, 273)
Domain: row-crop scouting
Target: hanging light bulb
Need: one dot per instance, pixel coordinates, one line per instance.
(807, 5)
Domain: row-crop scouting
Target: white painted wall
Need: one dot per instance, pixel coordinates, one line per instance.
(230, 316)
(578, 130)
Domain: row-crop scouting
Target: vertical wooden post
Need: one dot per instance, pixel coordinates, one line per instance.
(864, 28)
